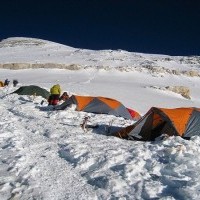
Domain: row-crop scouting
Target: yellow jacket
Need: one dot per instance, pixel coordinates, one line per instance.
(55, 89)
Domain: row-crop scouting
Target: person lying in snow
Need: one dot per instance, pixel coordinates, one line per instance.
(55, 95)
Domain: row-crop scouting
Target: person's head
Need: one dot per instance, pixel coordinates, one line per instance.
(64, 96)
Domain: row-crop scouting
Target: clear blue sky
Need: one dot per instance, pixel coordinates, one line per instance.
(150, 26)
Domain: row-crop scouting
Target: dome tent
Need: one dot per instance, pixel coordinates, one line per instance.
(99, 105)
(33, 90)
(184, 122)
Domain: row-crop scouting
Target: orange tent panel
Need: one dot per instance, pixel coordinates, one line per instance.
(179, 117)
(83, 101)
(156, 120)
(1, 84)
(110, 102)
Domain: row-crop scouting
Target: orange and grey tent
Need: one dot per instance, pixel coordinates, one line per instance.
(184, 122)
(99, 105)
(1, 84)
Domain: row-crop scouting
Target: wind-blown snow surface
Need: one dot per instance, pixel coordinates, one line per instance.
(45, 154)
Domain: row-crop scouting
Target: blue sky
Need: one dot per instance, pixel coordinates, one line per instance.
(149, 26)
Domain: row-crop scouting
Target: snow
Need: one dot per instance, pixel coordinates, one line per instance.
(45, 154)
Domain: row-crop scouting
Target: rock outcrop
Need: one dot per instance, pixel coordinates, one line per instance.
(184, 91)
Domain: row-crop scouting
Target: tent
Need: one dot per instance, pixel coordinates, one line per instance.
(33, 90)
(99, 105)
(184, 122)
(1, 84)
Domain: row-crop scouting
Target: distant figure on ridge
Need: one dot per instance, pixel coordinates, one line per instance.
(55, 95)
(6, 82)
(15, 82)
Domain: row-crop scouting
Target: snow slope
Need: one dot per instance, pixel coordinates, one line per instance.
(36, 51)
(45, 154)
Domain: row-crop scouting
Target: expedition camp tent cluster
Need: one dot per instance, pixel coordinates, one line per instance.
(184, 122)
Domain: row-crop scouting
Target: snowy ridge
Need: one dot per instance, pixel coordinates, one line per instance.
(27, 42)
(45, 52)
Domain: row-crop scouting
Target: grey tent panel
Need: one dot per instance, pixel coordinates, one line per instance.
(97, 106)
(193, 126)
(140, 126)
(121, 111)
